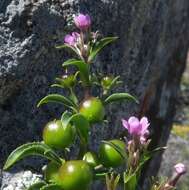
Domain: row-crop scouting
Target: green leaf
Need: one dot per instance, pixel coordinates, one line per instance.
(67, 46)
(57, 85)
(118, 97)
(57, 98)
(80, 122)
(109, 82)
(116, 181)
(82, 67)
(99, 175)
(37, 185)
(130, 181)
(67, 81)
(99, 45)
(157, 150)
(31, 149)
(117, 148)
(115, 82)
(51, 187)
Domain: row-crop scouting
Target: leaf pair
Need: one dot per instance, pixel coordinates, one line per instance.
(31, 149)
(57, 98)
(108, 83)
(98, 46)
(94, 49)
(68, 81)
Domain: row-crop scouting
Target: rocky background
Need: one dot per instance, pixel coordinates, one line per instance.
(149, 55)
(178, 143)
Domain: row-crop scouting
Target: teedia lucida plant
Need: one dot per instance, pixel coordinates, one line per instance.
(82, 112)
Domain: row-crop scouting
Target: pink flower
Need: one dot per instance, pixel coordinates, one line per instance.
(137, 127)
(180, 168)
(83, 22)
(71, 39)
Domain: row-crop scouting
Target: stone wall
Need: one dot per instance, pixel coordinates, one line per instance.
(149, 55)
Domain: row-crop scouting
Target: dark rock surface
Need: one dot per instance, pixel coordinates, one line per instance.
(149, 55)
(177, 151)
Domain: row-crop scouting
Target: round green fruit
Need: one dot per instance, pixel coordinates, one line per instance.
(51, 172)
(57, 135)
(93, 109)
(109, 156)
(91, 159)
(75, 175)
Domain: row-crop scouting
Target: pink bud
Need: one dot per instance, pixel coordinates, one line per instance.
(83, 22)
(130, 142)
(71, 39)
(180, 168)
(142, 140)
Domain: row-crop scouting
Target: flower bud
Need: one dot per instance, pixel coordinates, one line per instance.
(83, 22)
(180, 168)
(71, 39)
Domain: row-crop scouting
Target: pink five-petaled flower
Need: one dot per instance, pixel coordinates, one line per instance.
(180, 168)
(137, 127)
(83, 22)
(71, 39)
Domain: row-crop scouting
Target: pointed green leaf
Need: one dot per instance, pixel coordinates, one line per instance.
(57, 98)
(115, 82)
(65, 118)
(67, 46)
(80, 122)
(51, 187)
(109, 82)
(67, 81)
(117, 148)
(82, 67)
(73, 96)
(116, 181)
(99, 45)
(57, 85)
(157, 150)
(146, 157)
(31, 149)
(37, 186)
(118, 97)
(100, 175)
(130, 181)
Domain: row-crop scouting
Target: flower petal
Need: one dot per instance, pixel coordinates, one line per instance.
(144, 123)
(125, 124)
(180, 168)
(133, 119)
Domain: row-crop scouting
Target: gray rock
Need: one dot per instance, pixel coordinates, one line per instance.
(177, 151)
(149, 55)
(19, 180)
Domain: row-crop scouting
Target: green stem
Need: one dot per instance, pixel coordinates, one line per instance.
(73, 96)
(87, 93)
(82, 150)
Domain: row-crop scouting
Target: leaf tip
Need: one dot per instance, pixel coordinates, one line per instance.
(39, 104)
(5, 167)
